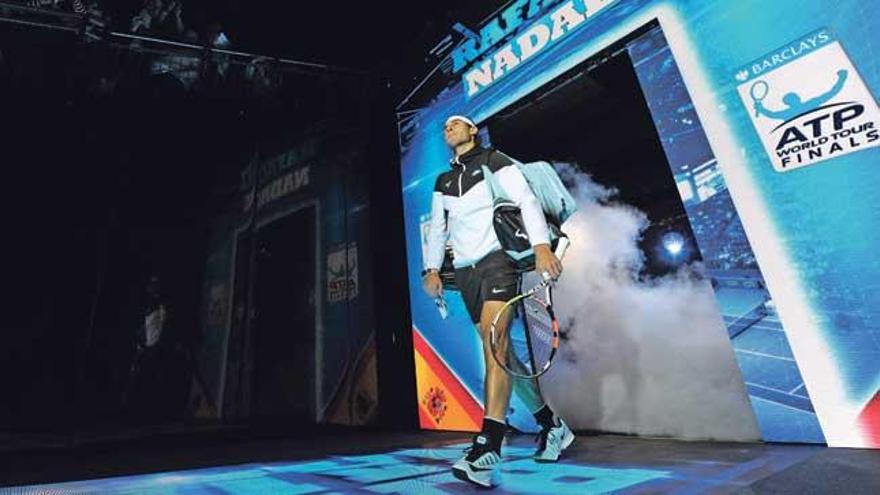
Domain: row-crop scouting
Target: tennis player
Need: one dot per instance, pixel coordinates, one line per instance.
(461, 211)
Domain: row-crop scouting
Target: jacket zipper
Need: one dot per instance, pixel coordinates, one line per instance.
(460, 173)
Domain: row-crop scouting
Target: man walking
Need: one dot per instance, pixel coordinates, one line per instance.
(461, 211)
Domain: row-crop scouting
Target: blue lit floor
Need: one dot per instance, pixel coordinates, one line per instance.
(597, 464)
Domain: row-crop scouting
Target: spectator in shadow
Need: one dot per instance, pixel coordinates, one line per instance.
(160, 18)
(77, 6)
(140, 391)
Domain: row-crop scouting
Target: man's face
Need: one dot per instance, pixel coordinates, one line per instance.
(457, 133)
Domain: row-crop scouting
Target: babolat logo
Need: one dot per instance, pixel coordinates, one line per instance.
(808, 103)
(560, 21)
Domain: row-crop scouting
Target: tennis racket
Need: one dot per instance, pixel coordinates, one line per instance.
(758, 92)
(533, 339)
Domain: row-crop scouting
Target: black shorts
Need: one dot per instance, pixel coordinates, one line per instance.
(493, 278)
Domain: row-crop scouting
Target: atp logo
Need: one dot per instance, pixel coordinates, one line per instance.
(810, 107)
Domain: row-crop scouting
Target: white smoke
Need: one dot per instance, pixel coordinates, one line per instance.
(640, 357)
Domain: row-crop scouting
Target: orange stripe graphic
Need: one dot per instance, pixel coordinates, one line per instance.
(444, 403)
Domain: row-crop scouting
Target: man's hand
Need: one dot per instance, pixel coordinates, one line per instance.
(432, 284)
(547, 262)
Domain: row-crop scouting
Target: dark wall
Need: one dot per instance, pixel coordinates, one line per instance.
(113, 174)
(397, 387)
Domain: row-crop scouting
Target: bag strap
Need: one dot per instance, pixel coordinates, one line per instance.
(495, 188)
(491, 183)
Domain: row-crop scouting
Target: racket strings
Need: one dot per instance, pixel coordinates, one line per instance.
(527, 345)
(540, 328)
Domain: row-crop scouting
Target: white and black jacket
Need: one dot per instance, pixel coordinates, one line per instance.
(461, 208)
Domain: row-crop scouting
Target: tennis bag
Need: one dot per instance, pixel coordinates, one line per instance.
(556, 202)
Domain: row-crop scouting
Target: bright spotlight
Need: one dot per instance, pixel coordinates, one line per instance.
(673, 243)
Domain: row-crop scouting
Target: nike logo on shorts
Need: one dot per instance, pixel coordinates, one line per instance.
(498, 291)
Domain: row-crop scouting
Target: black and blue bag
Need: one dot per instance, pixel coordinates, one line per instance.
(556, 202)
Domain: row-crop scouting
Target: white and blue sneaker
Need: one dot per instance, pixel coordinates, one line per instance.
(552, 441)
(480, 466)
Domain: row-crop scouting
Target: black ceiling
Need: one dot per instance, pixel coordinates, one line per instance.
(391, 39)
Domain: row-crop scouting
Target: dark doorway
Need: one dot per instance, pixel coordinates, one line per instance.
(233, 394)
(595, 116)
(284, 325)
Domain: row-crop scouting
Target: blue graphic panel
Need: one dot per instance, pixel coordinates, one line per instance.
(796, 256)
(762, 349)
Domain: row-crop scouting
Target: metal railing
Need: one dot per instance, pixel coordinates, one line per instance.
(19, 14)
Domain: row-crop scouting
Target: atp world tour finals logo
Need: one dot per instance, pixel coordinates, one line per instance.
(808, 103)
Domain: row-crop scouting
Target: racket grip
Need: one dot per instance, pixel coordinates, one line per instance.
(562, 247)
